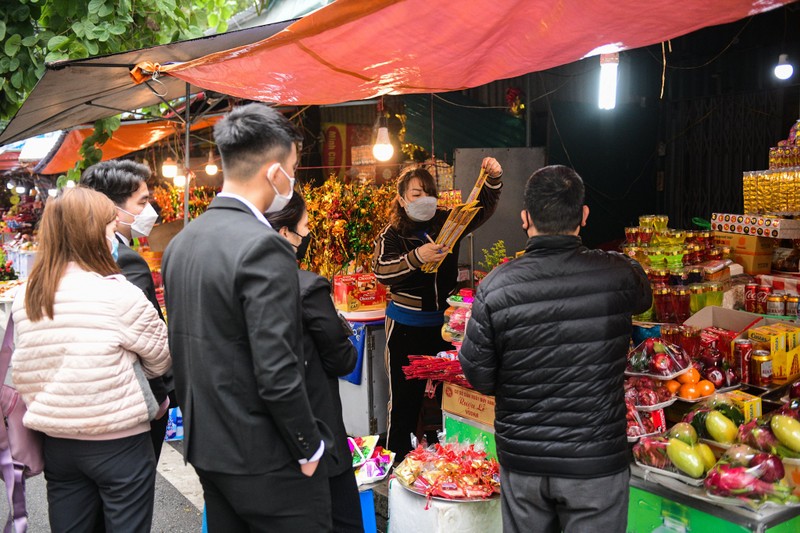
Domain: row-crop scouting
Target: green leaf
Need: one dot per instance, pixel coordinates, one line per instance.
(16, 79)
(78, 28)
(52, 57)
(92, 47)
(116, 29)
(22, 13)
(213, 20)
(95, 5)
(101, 34)
(2, 29)
(105, 11)
(14, 64)
(57, 43)
(12, 45)
(30, 40)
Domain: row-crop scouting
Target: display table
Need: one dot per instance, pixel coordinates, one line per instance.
(651, 501)
(408, 512)
(365, 392)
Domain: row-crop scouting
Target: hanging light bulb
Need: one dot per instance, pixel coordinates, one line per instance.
(211, 166)
(179, 180)
(784, 69)
(9, 185)
(169, 169)
(52, 192)
(383, 149)
(21, 189)
(607, 97)
(70, 184)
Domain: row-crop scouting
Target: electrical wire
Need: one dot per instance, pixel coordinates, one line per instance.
(727, 46)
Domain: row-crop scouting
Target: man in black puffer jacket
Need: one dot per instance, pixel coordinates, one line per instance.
(548, 337)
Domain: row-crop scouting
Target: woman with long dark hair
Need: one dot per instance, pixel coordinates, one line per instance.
(328, 354)
(415, 314)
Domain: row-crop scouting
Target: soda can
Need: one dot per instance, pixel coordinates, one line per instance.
(792, 301)
(761, 298)
(750, 291)
(761, 368)
(742, 352)
(776, 305)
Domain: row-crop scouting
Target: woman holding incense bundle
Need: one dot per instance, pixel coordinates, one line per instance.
(415, 314)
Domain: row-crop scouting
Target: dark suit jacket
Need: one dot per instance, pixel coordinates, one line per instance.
(235, 334)
(328, 354)
(136, 270)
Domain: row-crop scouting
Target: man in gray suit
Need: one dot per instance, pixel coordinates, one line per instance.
(234, 316)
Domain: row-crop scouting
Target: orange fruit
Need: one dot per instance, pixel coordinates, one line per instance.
(672, 386)
(705, 387)
(691, 376)
(689, 391)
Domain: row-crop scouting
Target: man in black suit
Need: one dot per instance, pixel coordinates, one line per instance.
(125, 184)
(235, 333)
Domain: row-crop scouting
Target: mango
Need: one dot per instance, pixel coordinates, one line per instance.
(685, 458)
(787, 430)
(706, 455)
(683, 431)
(721, 428)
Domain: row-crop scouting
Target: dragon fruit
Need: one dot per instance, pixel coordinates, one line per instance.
(757, 481)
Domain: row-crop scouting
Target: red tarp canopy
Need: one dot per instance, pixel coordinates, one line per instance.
(358, 49)
(128, 138)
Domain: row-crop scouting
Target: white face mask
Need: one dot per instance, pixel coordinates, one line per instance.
(280, 201)
(422, 209)
(142, 223)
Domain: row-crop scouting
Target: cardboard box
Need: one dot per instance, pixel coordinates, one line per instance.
(749, 405)
(358, 292)
(720, 317)
(468, 403)
(786, 365)
(768, 338)
(791, 332)
(780, 283)
(758, 225)
(748, 244)
(754, 264)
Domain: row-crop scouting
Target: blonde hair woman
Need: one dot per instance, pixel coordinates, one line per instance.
(85, 342)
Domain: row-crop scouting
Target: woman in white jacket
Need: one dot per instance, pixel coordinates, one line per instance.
(86, 341)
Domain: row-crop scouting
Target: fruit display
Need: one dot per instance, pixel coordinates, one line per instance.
(647, 393)
(657, 358)
(751, 476)
(777, 434)
(643, 423)
(677, 452)
(716, 419)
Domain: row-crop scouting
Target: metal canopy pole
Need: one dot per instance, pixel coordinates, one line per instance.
(187, 125)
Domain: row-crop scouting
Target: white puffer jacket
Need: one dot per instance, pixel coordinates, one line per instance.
(76, 372)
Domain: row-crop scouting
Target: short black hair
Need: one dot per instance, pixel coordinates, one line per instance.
(118, 179)
(251, 135)
(554, 198)
(288, 217)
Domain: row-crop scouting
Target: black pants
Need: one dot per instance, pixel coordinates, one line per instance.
(83, 477)
(346, 503)
(283, 501)
(405, 396)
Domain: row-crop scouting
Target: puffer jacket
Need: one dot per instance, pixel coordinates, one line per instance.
(76, 373)
(548, 337)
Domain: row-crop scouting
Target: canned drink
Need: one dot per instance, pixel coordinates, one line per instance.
(776, 305)
(742, 352)
(761, 368)
(792, 301)
(750, 291)
(761, 298)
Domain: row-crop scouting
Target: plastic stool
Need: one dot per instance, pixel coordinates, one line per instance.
(205, 523)
(368, 511)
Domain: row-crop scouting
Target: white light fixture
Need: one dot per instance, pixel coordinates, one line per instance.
(169, 169)
(52, 192)
(211, 166)
(383, 149)
(9, 185)
(20, 189)
(179, 181)
(70, 184)
(607, 97)
(784, 69)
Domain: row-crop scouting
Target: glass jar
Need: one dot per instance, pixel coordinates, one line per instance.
(714, 293)
(662, 304)
(695, 275)
(645, 236)
(660, 222)
(697, 297)
(674, 259)
(690, 340)
(659, 276)
(632, 234)
(714, 254)
(681, 305)
(646, 221)
(678, 276)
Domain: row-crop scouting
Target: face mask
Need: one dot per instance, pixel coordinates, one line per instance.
(421, 209)
(302, 249)
(114, 248)
(142, 223)
(280, 201)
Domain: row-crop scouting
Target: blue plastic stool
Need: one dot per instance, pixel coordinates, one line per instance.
(205, 523)
(368, 511)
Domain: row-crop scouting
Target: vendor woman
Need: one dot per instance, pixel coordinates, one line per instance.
(415, 314)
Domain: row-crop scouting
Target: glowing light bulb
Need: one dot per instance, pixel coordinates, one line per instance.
(169, 169)
(70, 184)
(784, 69)
(52, 192)
(607, 97)
(179, 180)
(20, 189)
(9, 185)
(383, 149)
